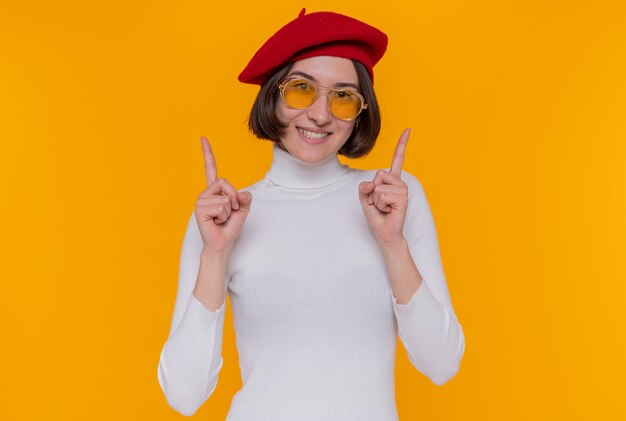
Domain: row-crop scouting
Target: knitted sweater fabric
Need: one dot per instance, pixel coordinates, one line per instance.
(315, 319)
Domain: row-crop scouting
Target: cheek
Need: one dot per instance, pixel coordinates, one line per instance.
(348, 129)
(286, 114)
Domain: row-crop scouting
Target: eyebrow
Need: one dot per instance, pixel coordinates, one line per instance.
(338, 84)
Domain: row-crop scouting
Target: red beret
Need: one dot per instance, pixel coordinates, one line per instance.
(316, 34)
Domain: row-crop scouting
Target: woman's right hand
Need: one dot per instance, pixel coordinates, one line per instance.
(220, 210)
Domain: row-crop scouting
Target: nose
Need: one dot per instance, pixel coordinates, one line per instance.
(319, 111)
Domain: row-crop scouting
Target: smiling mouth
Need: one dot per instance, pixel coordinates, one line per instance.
(313, 135)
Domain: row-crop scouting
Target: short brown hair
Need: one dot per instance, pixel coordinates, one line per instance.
(264, 122)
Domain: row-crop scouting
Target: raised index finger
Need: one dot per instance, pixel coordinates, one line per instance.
(398, 155)
(210, 167)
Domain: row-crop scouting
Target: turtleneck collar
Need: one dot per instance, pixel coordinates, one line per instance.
(288, 171)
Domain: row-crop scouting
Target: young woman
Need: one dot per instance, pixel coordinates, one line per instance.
(322, 269)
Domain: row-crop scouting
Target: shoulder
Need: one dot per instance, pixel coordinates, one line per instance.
(413, 183)
(254, 186)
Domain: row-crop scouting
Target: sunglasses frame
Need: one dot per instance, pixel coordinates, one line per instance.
(318, 92)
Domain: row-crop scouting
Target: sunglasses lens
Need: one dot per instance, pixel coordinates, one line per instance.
(299, 94)
(345, 105)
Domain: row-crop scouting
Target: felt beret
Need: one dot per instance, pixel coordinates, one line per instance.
(316, 34)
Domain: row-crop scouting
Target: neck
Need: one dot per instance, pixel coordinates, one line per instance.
(289, 171)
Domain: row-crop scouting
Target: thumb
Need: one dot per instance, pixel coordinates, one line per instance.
(365, 188)
(244, 198)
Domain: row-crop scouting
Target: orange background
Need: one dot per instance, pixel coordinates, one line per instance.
(519, 138)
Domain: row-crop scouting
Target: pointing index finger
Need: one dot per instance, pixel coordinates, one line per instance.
(398, 155)
(210, 167)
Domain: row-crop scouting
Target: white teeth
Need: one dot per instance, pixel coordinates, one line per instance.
(313, 135)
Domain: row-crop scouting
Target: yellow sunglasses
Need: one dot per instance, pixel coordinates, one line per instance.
(344, 104)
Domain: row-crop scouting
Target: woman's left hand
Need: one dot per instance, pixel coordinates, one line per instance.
(385, 199)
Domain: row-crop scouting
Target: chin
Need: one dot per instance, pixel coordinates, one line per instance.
(311, 154)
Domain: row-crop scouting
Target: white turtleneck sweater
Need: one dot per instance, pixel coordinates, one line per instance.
(315, 318)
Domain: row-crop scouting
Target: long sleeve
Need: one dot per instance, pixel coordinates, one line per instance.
(191, 358)
(427, 324)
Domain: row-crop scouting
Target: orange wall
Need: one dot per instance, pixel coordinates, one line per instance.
(519, 138)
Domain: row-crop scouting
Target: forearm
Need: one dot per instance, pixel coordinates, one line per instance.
(404, 278)
(210, 284)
